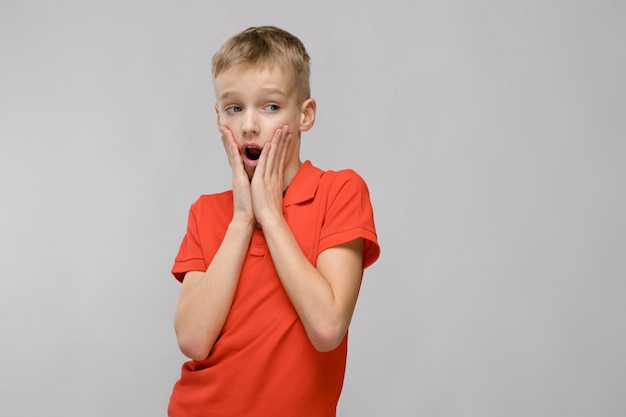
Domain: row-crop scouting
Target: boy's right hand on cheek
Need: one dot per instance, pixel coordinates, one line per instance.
(242, 199)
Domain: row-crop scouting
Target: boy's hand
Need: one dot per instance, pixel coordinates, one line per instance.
(267, 181)
(241, 184)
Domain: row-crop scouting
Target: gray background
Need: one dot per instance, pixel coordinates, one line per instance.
(491, 133)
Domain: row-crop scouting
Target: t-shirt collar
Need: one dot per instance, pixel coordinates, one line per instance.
(303, 185)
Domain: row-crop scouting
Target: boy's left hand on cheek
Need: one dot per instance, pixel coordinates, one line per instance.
(267, 182)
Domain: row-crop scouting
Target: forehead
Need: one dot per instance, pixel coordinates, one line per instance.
(250, 78)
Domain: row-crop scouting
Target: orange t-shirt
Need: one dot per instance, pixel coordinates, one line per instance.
(262, 363)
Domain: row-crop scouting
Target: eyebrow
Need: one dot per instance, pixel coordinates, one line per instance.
(268, 90)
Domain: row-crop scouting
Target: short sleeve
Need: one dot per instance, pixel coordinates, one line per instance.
(189, 257)
(349, 215)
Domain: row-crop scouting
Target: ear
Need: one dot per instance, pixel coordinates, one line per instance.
(307, 114)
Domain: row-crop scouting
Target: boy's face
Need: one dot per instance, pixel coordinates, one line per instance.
(253, 103)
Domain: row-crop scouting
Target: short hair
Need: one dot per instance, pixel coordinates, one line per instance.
(267, 45)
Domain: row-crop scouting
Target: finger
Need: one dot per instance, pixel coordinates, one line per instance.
(271, 155)
(259, 171)
(228, 138)
(232, 152)
(284, 140)
(225, 140)
(282, 151)
(276, 158)
(265, 166)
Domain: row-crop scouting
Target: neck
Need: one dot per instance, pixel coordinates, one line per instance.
(290, 171)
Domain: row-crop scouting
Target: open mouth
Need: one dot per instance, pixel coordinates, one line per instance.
(253, 152)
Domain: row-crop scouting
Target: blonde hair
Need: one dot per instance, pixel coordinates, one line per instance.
(263, 46)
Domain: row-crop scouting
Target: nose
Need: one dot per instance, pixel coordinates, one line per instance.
(250, 126)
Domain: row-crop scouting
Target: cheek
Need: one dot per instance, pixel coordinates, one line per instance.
(279, 123)
(227, 123)
(222, 119)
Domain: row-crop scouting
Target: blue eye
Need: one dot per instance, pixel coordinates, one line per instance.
(233, 109)
(272, 107)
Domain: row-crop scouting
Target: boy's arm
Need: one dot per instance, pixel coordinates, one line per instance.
(205, 297)
(324, 296)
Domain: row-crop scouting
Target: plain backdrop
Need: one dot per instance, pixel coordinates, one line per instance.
(492, 137)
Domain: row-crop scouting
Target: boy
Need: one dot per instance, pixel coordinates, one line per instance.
(271, 269)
